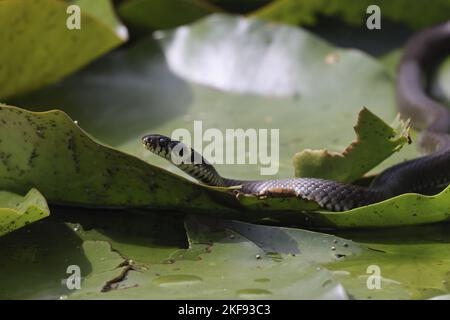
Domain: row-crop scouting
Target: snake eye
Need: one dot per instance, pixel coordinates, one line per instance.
(162, 142)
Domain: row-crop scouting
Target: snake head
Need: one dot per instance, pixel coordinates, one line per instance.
(172, 150)
(156, 142)
(159, 144)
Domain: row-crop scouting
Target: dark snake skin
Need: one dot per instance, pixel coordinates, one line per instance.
(421, 175)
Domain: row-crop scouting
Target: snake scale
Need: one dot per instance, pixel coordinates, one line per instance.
(422, 53)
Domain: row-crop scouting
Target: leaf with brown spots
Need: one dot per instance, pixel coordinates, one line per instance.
(48, 151)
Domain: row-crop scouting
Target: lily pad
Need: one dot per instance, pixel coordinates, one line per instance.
(222, 263)
(101, 176)
(35, 260)
(161, 14)
(54, 150)
(354, 11)
(103, 10)
(107, 268)
(111, 268)
(17, 211)
(146, 237)
(414, 258)
(61, 51)
(404, 210)
(101, 243)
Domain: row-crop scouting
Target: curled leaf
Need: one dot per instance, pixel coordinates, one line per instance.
(17, 211)
(375, 142)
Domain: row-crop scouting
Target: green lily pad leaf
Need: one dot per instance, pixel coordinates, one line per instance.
(62, 51)
(101, 243)
(375, 141)
(35, 260)
(103, 10)
(362, 287)
(216, 249)
(278, 205)
(54, 150)
(146, 237)
(17, 211)
(161, 14)
(414, 258)
(406, 209)
(391, 60)
(108, 267)
(222, 263)
(311, 246)
(305, 12)
(238, 41)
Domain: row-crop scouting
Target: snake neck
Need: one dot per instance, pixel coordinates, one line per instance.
(205, 172)
(191, 162)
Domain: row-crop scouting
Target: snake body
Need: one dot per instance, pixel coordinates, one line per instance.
(420, 175)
